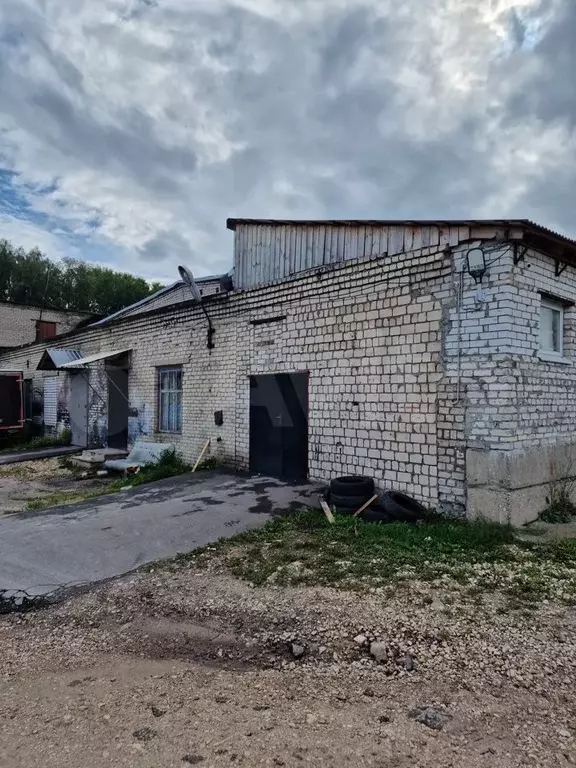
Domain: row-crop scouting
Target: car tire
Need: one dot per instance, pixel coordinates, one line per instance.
(399, 506)
(375, 515)
(352, 485)
(347, 504)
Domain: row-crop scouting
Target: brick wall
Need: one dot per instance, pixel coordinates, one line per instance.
(544, 392)
(513, 398)
(368, 333)
(18, 323)
(507, 403)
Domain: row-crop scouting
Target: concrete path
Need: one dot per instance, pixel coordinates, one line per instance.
(112, 535)
(41, 453)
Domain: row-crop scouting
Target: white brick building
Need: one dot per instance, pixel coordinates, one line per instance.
(351, 347)
(22, 324)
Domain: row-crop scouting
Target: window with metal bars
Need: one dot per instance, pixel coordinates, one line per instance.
(170, 399)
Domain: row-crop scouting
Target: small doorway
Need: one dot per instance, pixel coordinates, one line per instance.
(79, 409)
(27, 399)
(117, 408)
(279, 425)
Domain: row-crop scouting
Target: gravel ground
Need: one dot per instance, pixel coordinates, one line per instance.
(180, 666)
(24, 481)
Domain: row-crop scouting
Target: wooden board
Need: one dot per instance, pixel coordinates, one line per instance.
(326, 509)
(202, 452)
(364, 506)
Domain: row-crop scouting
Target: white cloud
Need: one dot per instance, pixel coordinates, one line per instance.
(29, 235)
(141, 125)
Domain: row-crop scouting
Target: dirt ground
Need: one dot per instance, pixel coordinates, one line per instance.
(186, 666)
(28, 480)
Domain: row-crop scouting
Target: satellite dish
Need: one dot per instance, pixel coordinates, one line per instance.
(188, 279)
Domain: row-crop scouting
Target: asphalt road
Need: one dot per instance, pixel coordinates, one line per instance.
(100, 538)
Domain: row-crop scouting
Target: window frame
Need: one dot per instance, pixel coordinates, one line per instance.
(555, 306)
(160, 372)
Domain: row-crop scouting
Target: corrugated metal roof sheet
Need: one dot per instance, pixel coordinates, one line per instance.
(136, 304)
(82, 361)
(55, 358)
(152, 297)
(550, 232)
(231, 222)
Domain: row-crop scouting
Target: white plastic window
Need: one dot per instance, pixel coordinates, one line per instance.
(170, 400)
(552, 327)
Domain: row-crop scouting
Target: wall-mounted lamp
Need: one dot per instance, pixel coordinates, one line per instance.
(476, 263)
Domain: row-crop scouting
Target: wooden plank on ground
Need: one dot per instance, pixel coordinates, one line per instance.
(326, 509)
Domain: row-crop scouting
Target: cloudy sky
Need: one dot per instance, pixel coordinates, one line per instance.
(130, 129)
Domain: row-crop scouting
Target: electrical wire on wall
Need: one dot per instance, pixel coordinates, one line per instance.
(459, 299)
(501, 252)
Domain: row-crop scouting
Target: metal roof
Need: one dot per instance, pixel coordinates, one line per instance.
(83, 361)
(56, 358)
(231, 223)
(523, 223)
(156, 295)
(136, 304)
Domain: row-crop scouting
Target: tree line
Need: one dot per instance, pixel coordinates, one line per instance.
(29, 277)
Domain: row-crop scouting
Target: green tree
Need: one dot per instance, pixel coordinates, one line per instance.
(6, 265)
(31, 278)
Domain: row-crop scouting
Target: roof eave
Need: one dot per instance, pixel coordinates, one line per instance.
(550, 243)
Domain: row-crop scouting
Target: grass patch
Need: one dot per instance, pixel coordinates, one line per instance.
(560, 509)
(208, 464)
(61, 497)
(68, 464)
(352, 549)
(561, 488)
(305, 549)
(168, 465)
(533, 529)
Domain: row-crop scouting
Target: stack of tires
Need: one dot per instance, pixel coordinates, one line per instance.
(349, 493)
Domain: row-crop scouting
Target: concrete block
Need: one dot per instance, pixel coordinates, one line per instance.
(486, 468)
(512, 486)
(516, 507)
(520, 468)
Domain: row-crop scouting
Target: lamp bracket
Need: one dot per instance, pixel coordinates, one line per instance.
(520, 252)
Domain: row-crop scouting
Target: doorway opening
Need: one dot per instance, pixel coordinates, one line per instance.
(117, 408)
(79, 408)
(279, 425)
